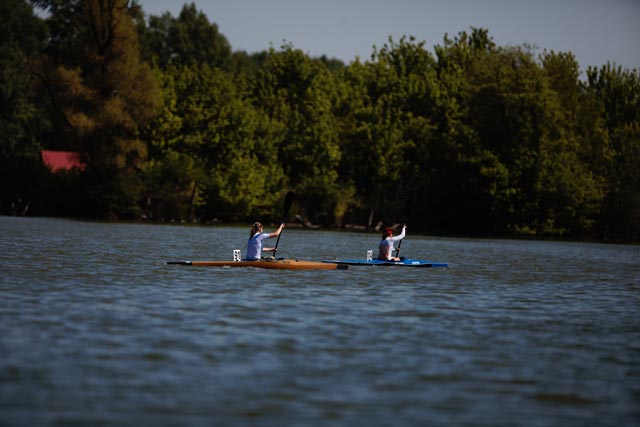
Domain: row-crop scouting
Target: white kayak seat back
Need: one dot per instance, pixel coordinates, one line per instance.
(236, 255)
(369, 255)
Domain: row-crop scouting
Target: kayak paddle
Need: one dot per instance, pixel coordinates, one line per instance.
(407, 205)
(288, 201)
(399, 244)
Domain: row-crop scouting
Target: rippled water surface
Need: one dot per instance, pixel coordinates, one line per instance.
(96, 329)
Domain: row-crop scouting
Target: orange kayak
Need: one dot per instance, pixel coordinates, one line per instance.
(277, 264)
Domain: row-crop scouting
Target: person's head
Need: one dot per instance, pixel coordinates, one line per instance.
(388, 232)
(256, 228)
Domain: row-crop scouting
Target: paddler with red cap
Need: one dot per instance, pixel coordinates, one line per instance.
(386, 244)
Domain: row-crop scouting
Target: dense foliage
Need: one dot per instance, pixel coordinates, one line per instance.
(464, 138)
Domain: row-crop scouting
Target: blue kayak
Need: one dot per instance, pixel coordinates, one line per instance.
(405, 262)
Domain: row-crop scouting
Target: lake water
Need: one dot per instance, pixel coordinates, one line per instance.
(96, 330)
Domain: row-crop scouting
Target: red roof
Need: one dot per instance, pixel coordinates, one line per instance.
(61, 160)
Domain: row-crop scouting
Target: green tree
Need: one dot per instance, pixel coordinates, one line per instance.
(581, 134)
(223, 144)
(101, 95)
(22, 39)
(386, 145)
(154, 39)
(507, 148)
(456, 153)
(188, 39)
(616, 94)
(297, 96)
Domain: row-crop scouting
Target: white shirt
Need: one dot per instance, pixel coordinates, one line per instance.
(386, 245)
(254, 246)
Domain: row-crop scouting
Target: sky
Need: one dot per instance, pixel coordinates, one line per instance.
(595, 31)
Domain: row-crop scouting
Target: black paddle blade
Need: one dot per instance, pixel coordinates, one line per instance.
(288, 201)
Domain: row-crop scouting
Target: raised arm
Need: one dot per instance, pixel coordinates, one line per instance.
(399, 236)
(278, 231)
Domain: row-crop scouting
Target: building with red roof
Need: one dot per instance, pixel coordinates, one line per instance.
(62, 160)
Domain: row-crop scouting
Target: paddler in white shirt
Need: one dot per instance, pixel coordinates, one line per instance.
(386, 244)
(254, 244)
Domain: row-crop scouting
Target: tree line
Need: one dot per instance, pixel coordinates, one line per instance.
(174, 125)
